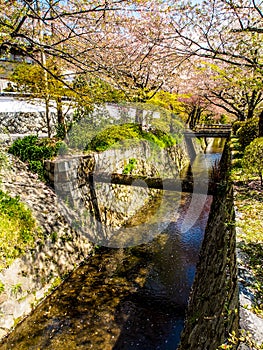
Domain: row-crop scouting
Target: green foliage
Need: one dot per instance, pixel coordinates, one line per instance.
(42, 83)
(2, 287)
(248, 201)
(86, 126)
(248, 132)
(28, 149)
(236, 126)
(130, 166)
(159, 137)
(168, 101)
(62, 148)
(33, 150)
(169, 120)
(244, 337)
(36, 166)
(61, 131)
(117, 134)
(54, 237)
(253, 158)
(97, 90)
(238, 88)
(16, 289)
(83, 131)
(206, 117)
(113, 135)
(31, 78)
(223, 119)
(17, 229)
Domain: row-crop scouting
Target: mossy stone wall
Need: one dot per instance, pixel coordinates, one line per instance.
(213, 305)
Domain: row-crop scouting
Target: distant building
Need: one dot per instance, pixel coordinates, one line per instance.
(8, 61)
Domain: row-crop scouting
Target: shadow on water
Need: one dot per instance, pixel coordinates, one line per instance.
(130, 298)
(122, 299)
(153, 317)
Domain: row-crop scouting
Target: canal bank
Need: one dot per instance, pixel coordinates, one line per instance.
(58, 250)
(247, 333)
(165, 311)
(213, 310)
(158, 294)
(249, 227)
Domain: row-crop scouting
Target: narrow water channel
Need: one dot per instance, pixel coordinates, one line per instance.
(125, 298)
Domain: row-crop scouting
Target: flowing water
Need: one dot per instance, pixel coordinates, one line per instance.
(126, 298)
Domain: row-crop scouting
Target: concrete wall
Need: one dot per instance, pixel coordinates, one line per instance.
(25, 115)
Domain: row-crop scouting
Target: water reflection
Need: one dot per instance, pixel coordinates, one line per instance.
(132, 298)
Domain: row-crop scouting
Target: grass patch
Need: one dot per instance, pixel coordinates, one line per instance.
(17, 229)
(128, 168)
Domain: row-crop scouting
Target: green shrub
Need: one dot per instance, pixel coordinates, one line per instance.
(223, 119)
(247, 132)
(36, 166)
(159, 137)
(252, 161)
(114, 135)
(62, 148)
(236, 125)
(17, 229)
(34, 151)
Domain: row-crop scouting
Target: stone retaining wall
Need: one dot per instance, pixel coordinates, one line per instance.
(25, 122)
(150, 161)
(29, 278)
(99, 209)
(63, 248)
(213, 305)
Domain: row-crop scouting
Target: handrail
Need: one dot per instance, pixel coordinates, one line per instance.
(212, 126)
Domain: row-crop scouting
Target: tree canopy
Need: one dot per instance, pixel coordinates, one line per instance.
(141, 47)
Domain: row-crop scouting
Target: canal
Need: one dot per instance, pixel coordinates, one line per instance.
(127, 298)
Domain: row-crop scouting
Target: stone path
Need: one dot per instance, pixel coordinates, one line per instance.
(249, 321)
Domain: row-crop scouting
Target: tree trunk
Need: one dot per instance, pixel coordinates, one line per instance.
(251, 105)
(48, 117)
(191, 116)
(198, 115)
(139, 116)
(260, 125)
(250, 113)
(194, 116)
(61, 128)
(60, 115)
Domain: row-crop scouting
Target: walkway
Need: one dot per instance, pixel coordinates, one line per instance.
(212, 130)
